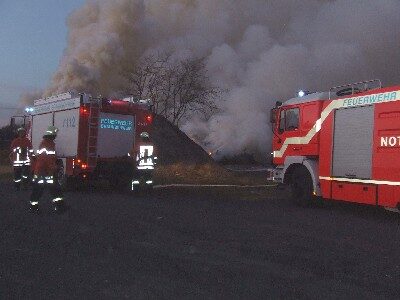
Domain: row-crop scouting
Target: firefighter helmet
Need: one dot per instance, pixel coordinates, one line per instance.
(21, 129)
(51, 131)
(145, 135)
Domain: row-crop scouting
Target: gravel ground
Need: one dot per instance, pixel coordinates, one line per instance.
(196, 243)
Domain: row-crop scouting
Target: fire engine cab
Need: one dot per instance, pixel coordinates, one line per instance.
(342, 145)
(95, 134)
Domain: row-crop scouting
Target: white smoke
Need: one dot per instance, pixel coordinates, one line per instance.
(259, 51)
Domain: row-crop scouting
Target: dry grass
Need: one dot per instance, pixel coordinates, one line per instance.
(4, 160)
(204, 174)
(5, 173)
(5, 170)
(5, 166)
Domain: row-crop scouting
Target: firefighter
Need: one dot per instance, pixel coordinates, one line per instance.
(21, 154)
(144, 163)
(44, 172)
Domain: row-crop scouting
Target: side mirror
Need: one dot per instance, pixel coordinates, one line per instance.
(272, 116)
(18, 121)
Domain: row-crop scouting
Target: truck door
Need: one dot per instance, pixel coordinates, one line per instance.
(289, 125)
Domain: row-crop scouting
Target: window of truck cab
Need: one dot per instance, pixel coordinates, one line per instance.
(289, 119)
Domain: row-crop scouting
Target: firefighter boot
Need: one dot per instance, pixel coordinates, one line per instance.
(59, 206)
(34, 207)
(17, 184)
(25, 183)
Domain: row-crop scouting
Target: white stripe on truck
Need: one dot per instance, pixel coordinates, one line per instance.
(365, 181)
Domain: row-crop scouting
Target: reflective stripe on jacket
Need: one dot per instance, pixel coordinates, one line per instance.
(45, 163)
(21, 151)
(145, 157)
(43, 179)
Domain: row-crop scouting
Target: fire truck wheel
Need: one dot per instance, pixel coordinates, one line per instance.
(301, 187)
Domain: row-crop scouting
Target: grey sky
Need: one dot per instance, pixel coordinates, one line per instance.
(33, 36)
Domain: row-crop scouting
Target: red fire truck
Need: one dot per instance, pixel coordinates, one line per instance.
(95, 134)
(342, 145)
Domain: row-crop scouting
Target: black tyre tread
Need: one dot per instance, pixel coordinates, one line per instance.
(302, 187)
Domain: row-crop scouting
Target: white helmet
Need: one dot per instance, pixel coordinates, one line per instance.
(144, 135)
(51, 131)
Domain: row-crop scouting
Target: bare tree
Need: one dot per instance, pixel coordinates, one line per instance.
(178, 88)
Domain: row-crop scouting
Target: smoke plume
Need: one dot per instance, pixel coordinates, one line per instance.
(259, 51)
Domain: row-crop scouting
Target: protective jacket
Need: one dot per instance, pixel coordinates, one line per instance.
(45, 163)
(21, 151)
(145, 156)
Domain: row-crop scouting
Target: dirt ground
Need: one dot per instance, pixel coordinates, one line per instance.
(196, 244)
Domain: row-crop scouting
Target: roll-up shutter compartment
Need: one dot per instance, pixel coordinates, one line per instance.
(352, 142)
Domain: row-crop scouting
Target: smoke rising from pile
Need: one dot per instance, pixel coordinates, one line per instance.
(259, 51)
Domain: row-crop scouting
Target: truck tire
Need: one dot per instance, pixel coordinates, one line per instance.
(301, 187)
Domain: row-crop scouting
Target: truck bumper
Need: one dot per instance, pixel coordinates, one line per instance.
(275, 175)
